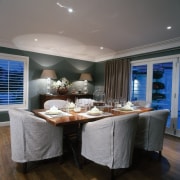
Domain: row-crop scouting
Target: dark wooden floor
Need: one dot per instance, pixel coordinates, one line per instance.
(145, 166)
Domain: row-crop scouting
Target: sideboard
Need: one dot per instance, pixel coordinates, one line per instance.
(72, 97)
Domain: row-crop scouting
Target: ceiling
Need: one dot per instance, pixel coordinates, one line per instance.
(120, 26)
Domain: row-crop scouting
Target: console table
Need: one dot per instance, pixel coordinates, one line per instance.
(72, 97)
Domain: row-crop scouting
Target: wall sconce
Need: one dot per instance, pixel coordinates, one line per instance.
(85, 77)
(48, 74)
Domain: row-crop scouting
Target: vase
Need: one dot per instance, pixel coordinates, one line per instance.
(62, 91)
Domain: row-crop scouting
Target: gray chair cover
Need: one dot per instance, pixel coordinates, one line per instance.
(85, 101)
(110, 141)
(151, 128)
(55, 102)
(33, 138)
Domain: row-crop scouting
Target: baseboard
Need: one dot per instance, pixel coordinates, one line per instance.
(6, 123)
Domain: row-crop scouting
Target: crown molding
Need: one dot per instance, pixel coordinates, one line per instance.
(168, 44)
(163, 45)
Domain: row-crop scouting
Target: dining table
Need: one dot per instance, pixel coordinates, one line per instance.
(68, 118)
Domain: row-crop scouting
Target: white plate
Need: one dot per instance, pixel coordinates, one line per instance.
(124, 109)
(53, 113)
(94, 113)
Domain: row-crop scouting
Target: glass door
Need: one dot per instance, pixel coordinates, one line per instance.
(175, 115)
(162, 87)
(177, 122)
(138, 83)
(157, 81)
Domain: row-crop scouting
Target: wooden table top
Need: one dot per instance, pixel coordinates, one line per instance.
(81, 117)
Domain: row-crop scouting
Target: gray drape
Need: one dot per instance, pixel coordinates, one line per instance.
(117, 73)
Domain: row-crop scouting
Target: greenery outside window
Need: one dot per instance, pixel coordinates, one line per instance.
(14, 72)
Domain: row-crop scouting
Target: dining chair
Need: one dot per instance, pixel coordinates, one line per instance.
(33, 138)
(141, 103)
(110, 141)
(70, 135)
(151, 129)
(59, 103)
(85, 101)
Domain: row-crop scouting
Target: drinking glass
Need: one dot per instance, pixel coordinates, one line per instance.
(116, 102)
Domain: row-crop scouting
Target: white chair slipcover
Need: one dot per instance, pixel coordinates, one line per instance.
(33, 138)
(150, 131)
(59, 103)
(142, 104)
(85, 101)
(70, 131)
(110, 141)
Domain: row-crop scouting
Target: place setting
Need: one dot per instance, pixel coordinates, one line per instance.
(54, 112)
(94, 112)
(127, 107)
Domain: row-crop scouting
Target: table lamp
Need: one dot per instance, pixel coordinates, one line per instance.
(48, 74)
(85, 77)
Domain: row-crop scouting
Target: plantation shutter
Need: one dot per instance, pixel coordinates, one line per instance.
(11, 82)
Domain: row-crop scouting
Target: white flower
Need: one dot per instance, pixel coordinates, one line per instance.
(62, 83)
(58, 83)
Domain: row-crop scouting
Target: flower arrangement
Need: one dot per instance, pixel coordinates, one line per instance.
(62, 83)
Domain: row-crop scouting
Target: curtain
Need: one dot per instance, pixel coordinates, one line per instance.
(117, 73)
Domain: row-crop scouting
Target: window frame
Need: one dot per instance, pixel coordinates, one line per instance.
(25, 60)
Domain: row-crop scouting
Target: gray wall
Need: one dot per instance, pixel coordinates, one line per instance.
(64, 67)
(99, 75)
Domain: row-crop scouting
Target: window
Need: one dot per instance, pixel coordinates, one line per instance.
(14, 72)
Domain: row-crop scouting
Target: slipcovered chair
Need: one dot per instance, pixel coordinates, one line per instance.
(150, 131)
(32, 138)
(70, 131)
(85, 101)
(55, 102)
(141, 104)
(110, 141)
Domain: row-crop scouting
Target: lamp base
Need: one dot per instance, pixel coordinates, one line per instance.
(85, 90)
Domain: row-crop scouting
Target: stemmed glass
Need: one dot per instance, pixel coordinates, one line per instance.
(116, 102)
(122, 101)
(67, 104)
(87, 106)
(109, 104)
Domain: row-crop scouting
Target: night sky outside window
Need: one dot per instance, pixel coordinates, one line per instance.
(13, 90)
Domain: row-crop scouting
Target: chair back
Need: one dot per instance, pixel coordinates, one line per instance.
(141, 104)
(151, 129)
(85, 102)
(33, 138)
(110, 141)
(59, 103)
(124, 138)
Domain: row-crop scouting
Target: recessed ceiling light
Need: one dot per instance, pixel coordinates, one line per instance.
(101, 48)
(70, 10)
(35, 39)
(169, 27)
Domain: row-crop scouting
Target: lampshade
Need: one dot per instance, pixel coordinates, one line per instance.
(47, 73)
(85, 76)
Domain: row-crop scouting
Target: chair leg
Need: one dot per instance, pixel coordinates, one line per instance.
(112, 174)
(61, 159)
(22, 167)
(160, 155)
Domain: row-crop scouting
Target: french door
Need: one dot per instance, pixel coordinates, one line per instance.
(157, 81)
